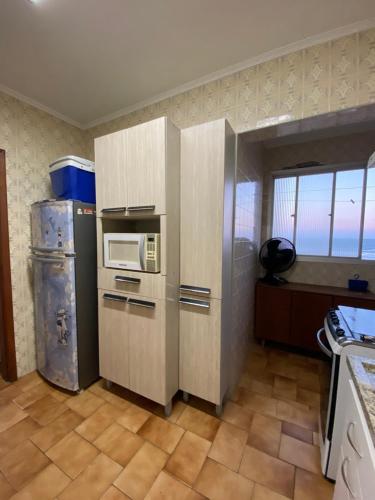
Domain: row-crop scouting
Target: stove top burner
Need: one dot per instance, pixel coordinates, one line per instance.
(352, 323)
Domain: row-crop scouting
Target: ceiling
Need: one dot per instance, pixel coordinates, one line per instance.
(88, 59)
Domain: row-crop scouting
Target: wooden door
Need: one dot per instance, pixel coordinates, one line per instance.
(113, 337)
(272, 314)
(145, 167)
(111, 182)
(147, 347)
(200, 340)
(202, 192)
(308, 313)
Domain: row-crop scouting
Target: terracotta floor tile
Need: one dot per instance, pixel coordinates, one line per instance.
(177, 409)
(219, 483)
(312, 486)
(161, 433)
(46, 410)
(265, 434)
(94, 480)
(10, 414)
(263, 493)
(228, 446)
(268, 471)
(119, 443)
(52, 433)
(296, 452)
(95, 424)
(188, 457)
(283, 367)
(297, 432)
(310, 398)
(316, 440)
(6, 490)
(99, 389)
(257, 402)
(46, 485)
(168, 488)
(140, 473)
(236, 415)
(304, 418)
(264, 376)
(256, 361)
(285, 388)
(17, 434)
(8, 394)
(308, 380)
(114, 494)
(72, 454)
(22, 463)
(133, 418)
(85, 404)
(3, 384)
(27, 381)
(33, 394)
(199, 423)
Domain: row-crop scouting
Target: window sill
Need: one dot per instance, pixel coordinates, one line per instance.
(333, 260)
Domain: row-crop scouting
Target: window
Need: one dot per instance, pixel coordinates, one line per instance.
(328, 213)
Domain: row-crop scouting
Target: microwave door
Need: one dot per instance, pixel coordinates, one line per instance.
(124, 251)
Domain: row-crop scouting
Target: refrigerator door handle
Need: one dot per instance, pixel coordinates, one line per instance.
(48, 260)
(55, 251)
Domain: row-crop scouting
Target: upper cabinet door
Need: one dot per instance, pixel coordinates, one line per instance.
(145, 167)
(203, 187)
(111, 184)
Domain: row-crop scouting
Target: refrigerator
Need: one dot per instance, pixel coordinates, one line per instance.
(63, 255)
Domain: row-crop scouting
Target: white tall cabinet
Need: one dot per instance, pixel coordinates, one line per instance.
(138, 190)
(207, 196)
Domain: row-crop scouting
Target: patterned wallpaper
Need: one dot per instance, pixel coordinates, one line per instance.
(326, 77)
(31, 139)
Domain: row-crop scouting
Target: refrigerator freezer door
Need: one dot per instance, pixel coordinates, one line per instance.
(55, 319)
(52, 226)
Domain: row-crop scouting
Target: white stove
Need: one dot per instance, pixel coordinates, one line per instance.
(347, 330)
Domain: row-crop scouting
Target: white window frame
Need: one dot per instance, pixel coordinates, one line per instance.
(323, 169)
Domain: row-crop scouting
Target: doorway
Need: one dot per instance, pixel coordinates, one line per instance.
(8, 366)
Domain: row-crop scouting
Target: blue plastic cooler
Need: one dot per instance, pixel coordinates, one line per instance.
(73, 178)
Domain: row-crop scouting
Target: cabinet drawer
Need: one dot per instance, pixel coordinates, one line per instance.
(138, 283)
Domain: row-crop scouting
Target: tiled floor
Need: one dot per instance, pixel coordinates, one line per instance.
(115, 445)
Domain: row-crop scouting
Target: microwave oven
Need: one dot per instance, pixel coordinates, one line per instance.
(132, 251)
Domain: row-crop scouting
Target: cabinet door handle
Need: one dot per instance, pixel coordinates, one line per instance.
(113, 210)
(127, 279)
(115, 298)
(192, 302)
(195, 289)
(343, 473)
(141, 303)
(350, 439)
(142, 207)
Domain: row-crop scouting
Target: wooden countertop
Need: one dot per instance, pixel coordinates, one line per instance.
(325, 290)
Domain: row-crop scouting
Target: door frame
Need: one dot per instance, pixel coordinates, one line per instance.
(8, 363)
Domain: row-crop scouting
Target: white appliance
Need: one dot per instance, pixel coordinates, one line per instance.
(347, 331)
(132, 251)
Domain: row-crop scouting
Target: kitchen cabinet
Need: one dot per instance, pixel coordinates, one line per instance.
(110, 178)
(200, 346)
(293, 313)
(138, 191)
(134, 168)
(145, 166)
(356, 472)
(113, 337)
(306, 317)
(207, 195)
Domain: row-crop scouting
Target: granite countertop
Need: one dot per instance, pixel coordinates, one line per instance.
(364, 381)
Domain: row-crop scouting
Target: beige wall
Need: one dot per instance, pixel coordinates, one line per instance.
(31, 139)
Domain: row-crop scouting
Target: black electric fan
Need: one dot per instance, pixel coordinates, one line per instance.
(276, 256)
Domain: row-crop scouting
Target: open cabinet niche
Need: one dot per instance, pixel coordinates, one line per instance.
(155, 224)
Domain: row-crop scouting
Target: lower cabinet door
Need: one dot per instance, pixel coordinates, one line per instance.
(113, 337)
(147, 349)
(200, 341)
